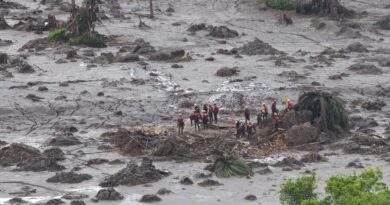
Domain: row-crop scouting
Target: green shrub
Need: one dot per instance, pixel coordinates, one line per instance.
(364, 189)
(227, 167)
(280, 4)
(294, 192)
(88, 39)
(3, 58)
(59, 35)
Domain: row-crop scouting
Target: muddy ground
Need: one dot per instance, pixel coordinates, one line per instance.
(88, 98)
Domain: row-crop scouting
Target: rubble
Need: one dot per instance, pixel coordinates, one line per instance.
(222, 32)
(109, 194)
(258, 47)
(69, 178)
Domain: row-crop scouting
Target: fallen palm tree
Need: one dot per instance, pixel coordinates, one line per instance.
(230, 166)
(327, 109)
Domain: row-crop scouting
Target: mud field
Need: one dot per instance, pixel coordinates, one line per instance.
(75, 120)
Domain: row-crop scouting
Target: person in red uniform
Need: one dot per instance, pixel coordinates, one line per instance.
(215, 113)
(180, 124)
(192, 118)
(196, 121)
(205, 119)
(247, 114)
(276, 121)
(273, 107)
(265, 111)
(250, 127)
(196, 109)
(211, 111)
(290, 105)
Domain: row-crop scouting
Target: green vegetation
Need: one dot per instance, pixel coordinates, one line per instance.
(59, 35)
(227, 167)
(293, 192)
(87, 39)
(3, 58)
(280, 4)
(329, 109)
(364, 189)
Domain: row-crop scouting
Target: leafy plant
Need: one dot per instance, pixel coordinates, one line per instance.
(59, 35)
(280, 4)
(227, 167)
(293, 192)
(328, 108)
(364, 189)
(87, 39)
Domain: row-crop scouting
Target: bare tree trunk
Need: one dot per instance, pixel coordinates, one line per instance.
(151, 9)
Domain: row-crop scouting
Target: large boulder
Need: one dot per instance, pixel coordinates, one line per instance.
(17, 153)
(301, 134)
(293, 117)
(134, 175)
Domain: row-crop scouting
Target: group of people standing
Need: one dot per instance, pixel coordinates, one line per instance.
(208, 116)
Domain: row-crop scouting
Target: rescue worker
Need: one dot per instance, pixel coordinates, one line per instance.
(250, 128)
(273, 107)
(205, 119)
(290, 105)
(259, 118)
(238, 126)
(215, 113)
(180, 124)
(247, 114)
(196, 121)
(265, 111)
(205, 108)
(276, 121)
(196, 109)
(211, 111)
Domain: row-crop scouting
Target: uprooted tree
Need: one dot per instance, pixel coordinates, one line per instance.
(327, 109)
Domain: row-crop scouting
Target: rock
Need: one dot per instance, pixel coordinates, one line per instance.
(292, 75)
(69, 178)
(196, 27)
(223, 32)
(315, 83)
(77, 203)
(313, 157)
(365, 69)
(209, 182)
(149, 198)
(258, 47)
(355, 164)
(37, 44)
(104, 58)
(24, 67)
(265, 171)
(54, 202)
(74, 196)
(335, 77)
(11, 5)
(39, 164)
(384, 23)
(227, 72)
(3, 24)
(97, 161)
(100, 94)
(34, 97)
(285, 19)
(65, 140)
(134, 175)
(109, 194)
(357, 47)
(289, 162)
(54, 153)
(202, 175)
(17, 201)
(186, 181)
(42, 88)
(17, 153)
(3, 143)
(167, 55)
(250, 197)
(301, 134)
(376, 105)
(176, 66)
(227, 51)
(89, 53)
(71, 54)
(352, 148)
(164, 191)
(210, 59)
(125, 58)
(170, 9)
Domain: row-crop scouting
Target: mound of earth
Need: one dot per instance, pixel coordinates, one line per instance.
(134, 175)
(109, 194)
(39, 164)
(222, 32)
(69, 178)
(227, 72)
(17, 153)
(258, 47)
(54, 153)
(365, 69)
(64, 140)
